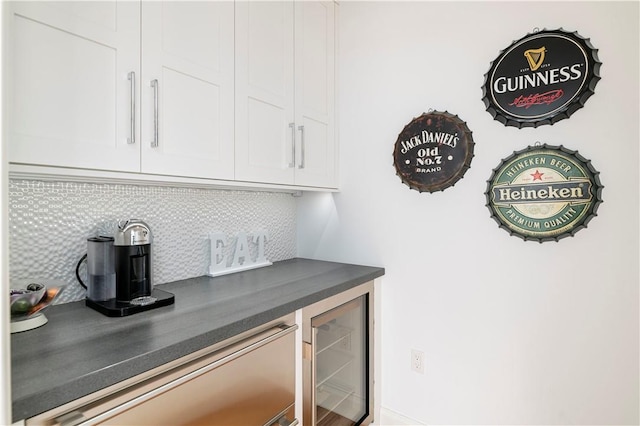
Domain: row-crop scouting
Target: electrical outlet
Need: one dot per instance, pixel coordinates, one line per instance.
(417, 361)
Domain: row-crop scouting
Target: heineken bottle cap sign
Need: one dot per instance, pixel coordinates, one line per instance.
(544, 193)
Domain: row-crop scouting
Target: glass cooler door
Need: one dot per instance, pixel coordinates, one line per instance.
(341, 364)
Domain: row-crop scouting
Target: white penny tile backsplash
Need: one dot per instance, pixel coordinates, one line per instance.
(49, 223)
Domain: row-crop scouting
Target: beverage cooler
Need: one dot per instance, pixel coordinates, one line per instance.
(338, 359)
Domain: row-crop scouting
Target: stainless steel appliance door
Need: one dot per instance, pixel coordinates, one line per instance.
(249, 383)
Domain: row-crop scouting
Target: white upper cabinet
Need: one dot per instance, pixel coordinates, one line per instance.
(69, 101)
(264, 91)
(80, 100)
(315, 94)
(285, 100)
(187, 88)
(173, 90)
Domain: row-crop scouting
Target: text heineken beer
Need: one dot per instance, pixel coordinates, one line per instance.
(544, 193)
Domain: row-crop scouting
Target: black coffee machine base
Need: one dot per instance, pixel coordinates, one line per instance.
(113, 308)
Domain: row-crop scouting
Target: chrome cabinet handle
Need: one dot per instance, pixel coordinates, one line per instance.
(154, 142)
(301, 128)
(292, 126)
(69, 419)
(283, 421)
(132, 78)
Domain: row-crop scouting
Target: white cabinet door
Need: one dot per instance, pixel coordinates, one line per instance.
(70, 97)
(187, 118)
(285, 82)
(264, 92)
(315, 94)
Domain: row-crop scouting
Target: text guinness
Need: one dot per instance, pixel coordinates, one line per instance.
(537, 79)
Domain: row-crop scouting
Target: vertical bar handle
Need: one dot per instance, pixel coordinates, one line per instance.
(301, 128)
(154, 142)
(132, 78)
(292, 163)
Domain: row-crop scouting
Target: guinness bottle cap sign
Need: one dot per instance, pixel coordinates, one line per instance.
(544, 193)
(541, 79)
(433, 151)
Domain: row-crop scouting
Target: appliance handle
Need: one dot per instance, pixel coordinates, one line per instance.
(155, 142)
(283, 421)
(255, 344)
(132, 78)
(314, 375)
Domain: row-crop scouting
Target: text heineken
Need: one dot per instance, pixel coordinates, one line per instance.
(572, 191)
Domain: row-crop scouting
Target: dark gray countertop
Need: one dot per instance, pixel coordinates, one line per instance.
(80, 351)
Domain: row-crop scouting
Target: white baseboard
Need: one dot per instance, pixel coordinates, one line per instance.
(391, 418)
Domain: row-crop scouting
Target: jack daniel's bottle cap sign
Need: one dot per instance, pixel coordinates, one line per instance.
(433, 151)
(541, 79)
(544, 193)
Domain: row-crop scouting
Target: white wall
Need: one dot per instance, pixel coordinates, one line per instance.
(513, 332)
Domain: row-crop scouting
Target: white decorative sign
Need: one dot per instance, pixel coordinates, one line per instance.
(240, 258)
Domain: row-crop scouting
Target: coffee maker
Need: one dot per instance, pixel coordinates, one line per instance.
(132, 244)
(134, 291)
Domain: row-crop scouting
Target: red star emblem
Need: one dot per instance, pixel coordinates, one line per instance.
(537, 175)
